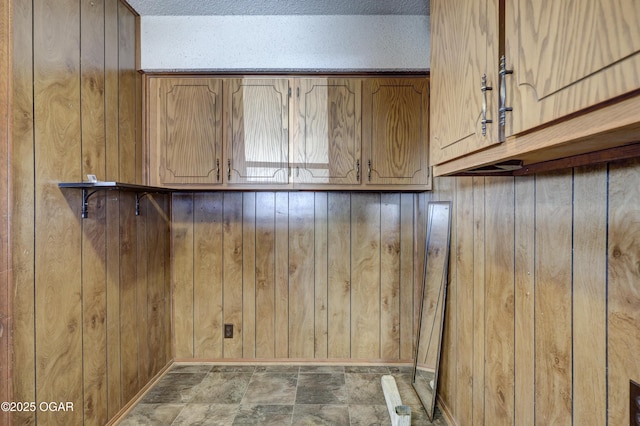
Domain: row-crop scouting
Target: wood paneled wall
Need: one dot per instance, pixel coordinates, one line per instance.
(300, 275)
(5, 335)
(90, 299)
(543, 312)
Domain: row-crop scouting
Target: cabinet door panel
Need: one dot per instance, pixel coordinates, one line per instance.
(258, 135)
(188, 132)
(329, 131)
(464, 47)
(396, 131)
(568, 56)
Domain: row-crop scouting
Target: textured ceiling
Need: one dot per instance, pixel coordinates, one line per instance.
(280, 7)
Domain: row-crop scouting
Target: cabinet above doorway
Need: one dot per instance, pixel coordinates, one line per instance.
(288, 133)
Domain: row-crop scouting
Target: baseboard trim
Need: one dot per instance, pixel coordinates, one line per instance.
(295, 361)
(446, 412)
(133, 401)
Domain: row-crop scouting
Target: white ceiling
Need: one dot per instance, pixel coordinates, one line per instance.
(280, 7)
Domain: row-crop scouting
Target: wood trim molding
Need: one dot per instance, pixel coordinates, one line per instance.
(132, 403)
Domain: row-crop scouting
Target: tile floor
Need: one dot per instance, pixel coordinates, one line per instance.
(206, 394)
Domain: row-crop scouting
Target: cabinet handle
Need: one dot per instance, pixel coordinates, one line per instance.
(369, 170)
(229, 169)
(503, 91)
(357, 170)
(217, 170)
(484, 120)
(297, 171)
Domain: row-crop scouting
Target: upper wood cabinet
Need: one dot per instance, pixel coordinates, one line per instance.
(567, 85)
(257, 119)
(464, 62)
(396, 131)
(185, 120)
(324, 133)
(568, 56)
(329, 131)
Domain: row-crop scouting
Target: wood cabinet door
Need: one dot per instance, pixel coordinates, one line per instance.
(567, 56)
(328, 132)
(395, 131)
(464, 47)
(185, 131)
(257, 116)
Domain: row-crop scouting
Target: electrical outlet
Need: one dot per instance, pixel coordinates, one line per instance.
(634, 403)
(228, 331)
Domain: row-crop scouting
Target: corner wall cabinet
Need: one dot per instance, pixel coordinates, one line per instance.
(527, 82)
(186, 121)
(311, 133)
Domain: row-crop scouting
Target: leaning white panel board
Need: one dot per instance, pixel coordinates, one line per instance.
(400, 414)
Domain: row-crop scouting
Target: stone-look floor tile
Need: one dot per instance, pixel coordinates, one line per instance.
(173, 388)
(321, 369)
(152, 414)
(365, 388)
(271, 388)
(264, 415)
(321, 388)
(402, 369)
(377, 369)
(369, 415)
(206, 415)
(221, 388)
(191, 368)
(233, 369)
(277, 368)
(319, 415)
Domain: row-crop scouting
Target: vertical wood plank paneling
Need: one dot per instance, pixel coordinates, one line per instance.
(365, 287)
(479, 202)
(623, 299)
(301, 275)
(390, 276)
(142, 292)
(112, 173)
(265, 274)
(320, 279)
(207, 275)
(157, 243)
(232, 278)
(499, 300)
(83, 306)
(407, 283)
(182, 274)
(589, 295)
(282, 275)
(21, 217)
(128, 297)
(524, 299)
(58, 306)
(249, 275)
(130, 284)
(339, 275)
(127, 93)
(111, 91)
(464, 297)
(112, 232)
(94, 296)
(5, 294)
(553, 321)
